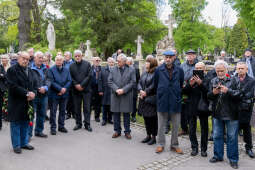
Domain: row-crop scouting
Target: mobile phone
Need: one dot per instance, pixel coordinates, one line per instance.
(199, 73)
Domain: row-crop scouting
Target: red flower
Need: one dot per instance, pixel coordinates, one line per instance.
(30, 123)
(227, 75)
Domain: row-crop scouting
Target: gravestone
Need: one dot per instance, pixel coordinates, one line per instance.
(51, 36)
(139, 42)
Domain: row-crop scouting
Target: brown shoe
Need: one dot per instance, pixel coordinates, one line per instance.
(182, 133)
(177, 150)
(159, 149)
(115, 135)
(128, 136)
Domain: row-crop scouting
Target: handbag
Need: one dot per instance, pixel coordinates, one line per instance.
(203, 106)
(151, 100)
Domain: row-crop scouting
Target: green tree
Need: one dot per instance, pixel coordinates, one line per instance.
(190, 29)
(238, 38)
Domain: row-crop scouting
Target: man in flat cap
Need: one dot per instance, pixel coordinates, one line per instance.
(188, 66)
(168, 83)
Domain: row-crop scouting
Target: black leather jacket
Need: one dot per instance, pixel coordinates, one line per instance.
(225, 106)
(146, 83)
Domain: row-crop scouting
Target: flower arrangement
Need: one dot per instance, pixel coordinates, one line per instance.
(30, 114)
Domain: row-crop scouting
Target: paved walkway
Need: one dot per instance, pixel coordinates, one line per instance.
(82, 150)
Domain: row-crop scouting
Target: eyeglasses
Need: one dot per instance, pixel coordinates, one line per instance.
(98, 60)
(77, 56)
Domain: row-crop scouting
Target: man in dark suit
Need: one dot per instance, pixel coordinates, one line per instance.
(96, 96)
(81, 74)
(106, 91)
(121, 81)
(246, 105)
(22, 90)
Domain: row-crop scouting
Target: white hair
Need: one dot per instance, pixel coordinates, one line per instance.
(221, 62)
(59, 57)
(38, 53)
(77, 52)
(110, 59)
(68, 53)
(200, 63)
(48, 54)
(123, 57)
(222, 52)
(5, 56)
(130, 59)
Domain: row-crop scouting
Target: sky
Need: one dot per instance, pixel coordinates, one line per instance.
(212, 13)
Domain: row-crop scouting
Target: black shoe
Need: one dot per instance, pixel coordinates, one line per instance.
(47, 118)
(214, 160)
(203, 153)
(147, 139)
(103, 123)
(77, 127)
(53, 132)
(110, 121)
(17, 150)
(210, 138)
(63, 130)
(0, 127)
(97, 119)
(152, 141)
(194, 152)
(88, 128)
(28, 147)
(234, 165)
(133, 119)
(42, 135)
(250, 153)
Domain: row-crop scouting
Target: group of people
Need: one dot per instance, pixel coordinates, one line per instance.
(166, 92)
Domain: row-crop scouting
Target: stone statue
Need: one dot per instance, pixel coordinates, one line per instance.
(88, 52)
(51, 36)
(139, 42)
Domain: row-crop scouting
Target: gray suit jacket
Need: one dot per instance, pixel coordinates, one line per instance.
(122, 103)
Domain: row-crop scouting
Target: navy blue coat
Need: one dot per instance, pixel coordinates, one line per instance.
(60, 78)
(169, 90)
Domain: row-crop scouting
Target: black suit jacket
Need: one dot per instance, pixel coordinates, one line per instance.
(19, 85)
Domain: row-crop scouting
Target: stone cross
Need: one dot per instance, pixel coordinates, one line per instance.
(51, 36)
(139, 42)
(88, 53)
(170, 23)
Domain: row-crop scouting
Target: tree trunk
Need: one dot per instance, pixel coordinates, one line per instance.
(37, 21)
(24, 24)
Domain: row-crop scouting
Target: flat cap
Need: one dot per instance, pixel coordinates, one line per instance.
(169, 53)
(191, 52)
(248, 49)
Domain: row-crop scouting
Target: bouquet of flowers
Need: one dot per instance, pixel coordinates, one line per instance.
(30, 114)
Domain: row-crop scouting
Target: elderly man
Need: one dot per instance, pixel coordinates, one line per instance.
(121, 81)
(50, 61)
(246, 105)
(106, 91)
(41, 100)
(250, 62)
(224, 91)
(31, 54)
(69, 107)
(130, 62)
(188, 67)
(168, 82)
(81, 74)
(22, 90)
(60, 83)
(96, 97)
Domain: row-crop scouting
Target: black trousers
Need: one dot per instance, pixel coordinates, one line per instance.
(184, 117)
(107, 114)
(151, 125)
(70, 105)
(96, 101)
(134, 106)
(1, 111)
(204, 131)
(247, 136)
(78, 99)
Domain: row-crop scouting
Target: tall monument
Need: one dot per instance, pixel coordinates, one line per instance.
(88, 52)
(139, 42)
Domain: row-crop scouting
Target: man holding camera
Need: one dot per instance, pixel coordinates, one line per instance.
(247, 85)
